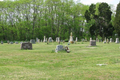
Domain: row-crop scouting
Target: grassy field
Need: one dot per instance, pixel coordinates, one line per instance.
(42, 63)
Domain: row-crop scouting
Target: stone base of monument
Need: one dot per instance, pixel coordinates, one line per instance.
(92, 42)
(26, 45)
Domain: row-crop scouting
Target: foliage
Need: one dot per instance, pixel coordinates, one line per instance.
(99, 18)
(26, 19)
(117, 20)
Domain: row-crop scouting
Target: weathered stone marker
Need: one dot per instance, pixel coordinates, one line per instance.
(26, 45)
(1, 42)
(32, 41)
(92, 42)
(16, 42)
(59, 48)
(110, 40)
(117, 40)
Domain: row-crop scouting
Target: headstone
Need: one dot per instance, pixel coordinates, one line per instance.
(117, 40)
(1, 42)
(96, 39)
(50, 39)
(104, 40)
(32, 41)
(41, 41)
(76, 39)
(38, 41)
(44, 39)
(16, 42)
(93, 43)
(26, 46)
(110, 40)
(8, 41)
(59, 48)
(21, 42)
(71, 38)
(90, 39)
(57, 39)
(11, 42)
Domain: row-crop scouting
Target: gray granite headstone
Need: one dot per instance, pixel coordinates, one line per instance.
(92, 42)
(50, 39)
(11, 42)
(26, 45)
(59, 48)
(1, 42)
(16, 42)
(32, 41)
(117, 40)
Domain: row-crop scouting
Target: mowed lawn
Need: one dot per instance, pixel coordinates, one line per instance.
(42, 63)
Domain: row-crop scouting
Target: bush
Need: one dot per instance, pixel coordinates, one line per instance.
(66, 40)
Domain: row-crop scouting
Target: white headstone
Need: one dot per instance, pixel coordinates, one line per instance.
(117, 40)
(44, 39)
(110, 39)
(76, 39)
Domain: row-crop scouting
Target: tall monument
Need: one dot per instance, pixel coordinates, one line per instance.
(71, 38)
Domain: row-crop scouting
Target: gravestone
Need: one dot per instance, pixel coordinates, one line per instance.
(93, 43)
(104, 40)
(76, 39)
(21, 42)
(117, 40)
(59, 48)
(71, 38)
(44, 39)
(1, 42)
(50, 39)
(110, 40)
(8, 41)
(32, 41)
(90, 39)
(16, 42)
(11, 42)
(96, 39)
(38, 40)
(57, 39)
(26, 45)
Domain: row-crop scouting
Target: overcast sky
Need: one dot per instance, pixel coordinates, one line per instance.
(88, 2)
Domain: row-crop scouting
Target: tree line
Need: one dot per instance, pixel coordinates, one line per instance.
(28, 19)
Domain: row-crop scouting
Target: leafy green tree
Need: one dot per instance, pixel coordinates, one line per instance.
(117, 20)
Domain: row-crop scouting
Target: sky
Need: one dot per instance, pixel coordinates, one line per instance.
(88, 2)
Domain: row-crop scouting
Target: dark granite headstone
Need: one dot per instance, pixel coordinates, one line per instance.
(26, 46)
(92, 42)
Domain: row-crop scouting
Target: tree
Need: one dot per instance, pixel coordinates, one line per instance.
(117, 20)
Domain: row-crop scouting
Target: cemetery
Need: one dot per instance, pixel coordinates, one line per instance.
(59, 40)
(40, 61)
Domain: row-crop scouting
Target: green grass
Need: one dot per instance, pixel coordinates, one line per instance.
(42, 63)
